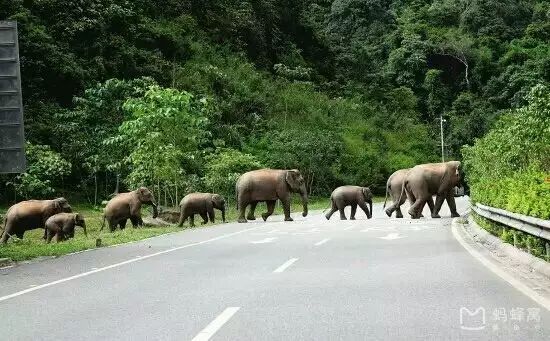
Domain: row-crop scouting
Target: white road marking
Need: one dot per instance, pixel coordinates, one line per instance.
(532, 294)
(116, 265)
(349, 228)
(264, 241)
(322, 242)
(285, 265)
(215, 325)
(391, 236)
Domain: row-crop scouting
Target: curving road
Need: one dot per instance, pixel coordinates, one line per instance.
(311, 279)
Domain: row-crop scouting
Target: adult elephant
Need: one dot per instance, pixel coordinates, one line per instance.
(350, 196)
(30, 215)
(269, 185)
(424, 181)
(202, 204)
(126, 206)
(394, 186)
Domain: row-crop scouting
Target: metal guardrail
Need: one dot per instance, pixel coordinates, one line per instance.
(534, 226)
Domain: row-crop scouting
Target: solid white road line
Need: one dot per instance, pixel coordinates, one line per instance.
(215, 325)
(116, 265)
(532, 294)
(285, 265)
(322, 242)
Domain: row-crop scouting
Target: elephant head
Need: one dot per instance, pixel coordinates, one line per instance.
(297, 184)
(367, 194)
(455, 172)
(145, 196)
(60, 205)
(79, 221)
(219, 202)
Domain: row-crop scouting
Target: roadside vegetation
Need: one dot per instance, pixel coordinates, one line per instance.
(184, 96)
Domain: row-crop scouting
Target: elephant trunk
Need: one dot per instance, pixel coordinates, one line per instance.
(155, 209)
(223, 213)
(303, 195)
(84, 228)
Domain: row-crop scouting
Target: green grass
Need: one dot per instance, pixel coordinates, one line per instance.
(33, 246)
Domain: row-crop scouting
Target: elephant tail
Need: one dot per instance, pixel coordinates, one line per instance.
(386, 199)
(402, 191)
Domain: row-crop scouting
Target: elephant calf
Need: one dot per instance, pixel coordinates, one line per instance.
(62, 225)
(202, 204)
(350, 195)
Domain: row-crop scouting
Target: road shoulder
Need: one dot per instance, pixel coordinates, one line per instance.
(523, 271)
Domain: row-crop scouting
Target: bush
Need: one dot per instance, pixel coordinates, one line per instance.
(509, 167)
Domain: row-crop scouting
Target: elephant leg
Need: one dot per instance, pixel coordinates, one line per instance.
(416, 208)
(353, 210)
(5, 236)
(270, 208)
(122, 224)
(452, 204)
(398, 213)
(286, 208)
(49, 236)
(333, 209)
(183, 217)
(250, 215)
(394, 206)
(438, 202)
(204, 217)
(20, 234)
(365, 209)
(192, 220)
(430, 203)
(135, 222)
(342, 208)
(242, 210)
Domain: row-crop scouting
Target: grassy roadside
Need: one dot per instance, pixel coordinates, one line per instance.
(33, 246)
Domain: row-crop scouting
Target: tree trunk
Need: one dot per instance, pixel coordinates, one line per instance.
(95, 192)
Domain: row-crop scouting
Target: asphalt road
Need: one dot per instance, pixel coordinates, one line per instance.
(310, 279)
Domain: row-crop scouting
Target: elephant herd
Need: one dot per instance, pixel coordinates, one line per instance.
(419, 184)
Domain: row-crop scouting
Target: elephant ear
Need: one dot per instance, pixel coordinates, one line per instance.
(292, 178)
(367, 193)
(56, 206)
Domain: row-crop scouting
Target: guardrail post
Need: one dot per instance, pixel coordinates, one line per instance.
(548, 252)
(515, 238)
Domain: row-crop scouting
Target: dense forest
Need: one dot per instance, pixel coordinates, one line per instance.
(184, 95)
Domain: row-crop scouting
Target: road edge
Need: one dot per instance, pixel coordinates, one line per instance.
(472, 247)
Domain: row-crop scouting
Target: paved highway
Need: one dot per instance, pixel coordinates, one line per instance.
(311, 279)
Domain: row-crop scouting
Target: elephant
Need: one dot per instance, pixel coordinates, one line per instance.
(202, 204)
(394, 186)
(126, 206)
(30, 215)
(350, 195)
(62, 225)
(269, 185)
(424, 181)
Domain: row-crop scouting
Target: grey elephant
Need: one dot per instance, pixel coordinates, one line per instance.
(202, 204)
(350, 196)
(62, 226)
(30, 215)
(424, 181)
(394, 186)
(126, 206)
(269, 185)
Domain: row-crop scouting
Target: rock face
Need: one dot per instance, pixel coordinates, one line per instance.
(171, 216)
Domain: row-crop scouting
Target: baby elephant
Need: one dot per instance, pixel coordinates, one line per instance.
(350, 195)
(202, 204)
(62, 225)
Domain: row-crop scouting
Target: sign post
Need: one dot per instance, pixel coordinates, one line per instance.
(12, 136)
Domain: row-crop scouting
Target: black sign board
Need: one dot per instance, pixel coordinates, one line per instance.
(12, 137)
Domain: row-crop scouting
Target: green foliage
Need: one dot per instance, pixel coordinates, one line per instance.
(163, 133)
(45, 172)
(223, 168)
(509, 167)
